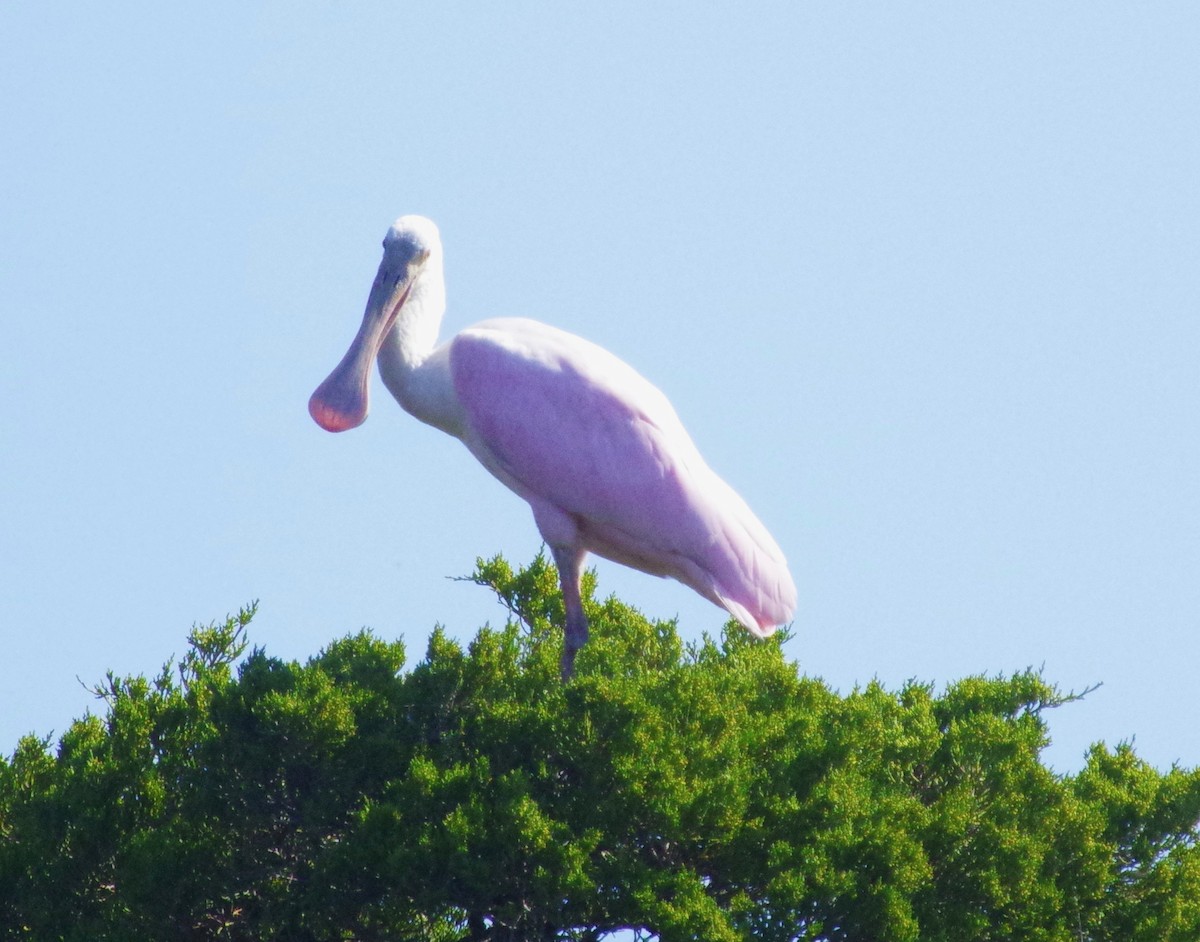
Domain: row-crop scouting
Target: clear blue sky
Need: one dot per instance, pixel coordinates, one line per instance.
(922, 281)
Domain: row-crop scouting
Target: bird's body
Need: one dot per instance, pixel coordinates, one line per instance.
(596, 450)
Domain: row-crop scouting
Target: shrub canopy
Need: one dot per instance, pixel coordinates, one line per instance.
(706, 791)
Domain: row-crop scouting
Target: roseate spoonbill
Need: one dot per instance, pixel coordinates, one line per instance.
(596, 450)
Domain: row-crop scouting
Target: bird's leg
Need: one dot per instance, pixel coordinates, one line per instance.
(569, 560)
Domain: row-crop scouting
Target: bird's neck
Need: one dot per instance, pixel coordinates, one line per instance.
(405, 364)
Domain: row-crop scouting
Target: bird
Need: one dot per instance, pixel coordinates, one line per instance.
(596, 450)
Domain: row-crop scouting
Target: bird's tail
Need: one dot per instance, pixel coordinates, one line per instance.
(768, 603)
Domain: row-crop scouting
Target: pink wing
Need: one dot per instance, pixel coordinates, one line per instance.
(575, 430)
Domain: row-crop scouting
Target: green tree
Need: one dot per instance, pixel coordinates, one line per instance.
(705, 791)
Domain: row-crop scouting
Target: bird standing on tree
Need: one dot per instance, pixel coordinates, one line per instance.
(596, 450)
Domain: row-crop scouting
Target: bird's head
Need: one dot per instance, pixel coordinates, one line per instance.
(410, 241)
(411, 246)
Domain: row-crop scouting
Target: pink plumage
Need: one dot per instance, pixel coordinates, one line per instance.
(596, 450)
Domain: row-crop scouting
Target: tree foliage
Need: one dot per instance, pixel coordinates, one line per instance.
(706, 791)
